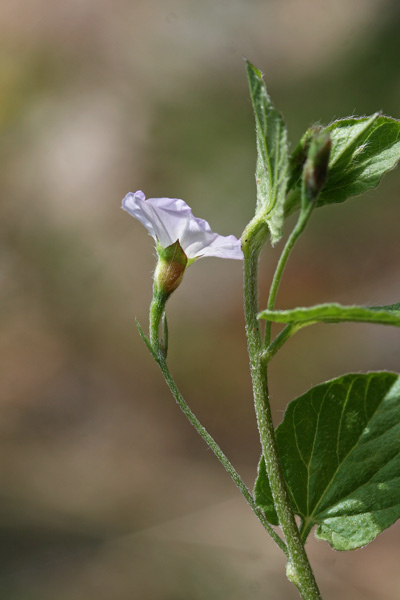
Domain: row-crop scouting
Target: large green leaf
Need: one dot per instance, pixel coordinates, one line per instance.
(363, 150)
(335, 313)
(340, 450)
(272, 155)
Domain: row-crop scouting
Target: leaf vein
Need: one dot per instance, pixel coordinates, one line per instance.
(344, 458)
(365, 483)
(313, 446)
(341, 420)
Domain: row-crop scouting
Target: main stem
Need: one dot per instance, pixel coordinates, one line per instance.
(299, 570)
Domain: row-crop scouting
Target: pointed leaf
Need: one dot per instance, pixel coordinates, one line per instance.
(363, 150)
(334, 313)
(272, 155)
(340, 450)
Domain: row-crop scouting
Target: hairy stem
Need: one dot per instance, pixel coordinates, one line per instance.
(159, 357)
(299, 570)
(211, 443)
(157, 308)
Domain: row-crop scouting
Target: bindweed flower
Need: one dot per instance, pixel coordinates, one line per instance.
(169, 220)
(181, 238)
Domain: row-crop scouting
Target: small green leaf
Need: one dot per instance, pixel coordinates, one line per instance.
(340, 449)
(334, 313)
(363, 150)
(272, 155)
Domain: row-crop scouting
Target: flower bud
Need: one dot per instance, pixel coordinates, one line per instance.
(171, 265)
(316, 167)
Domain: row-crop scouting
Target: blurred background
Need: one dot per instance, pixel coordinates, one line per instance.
(106, 492)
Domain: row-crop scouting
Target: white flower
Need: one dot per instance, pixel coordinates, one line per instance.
(170, 219)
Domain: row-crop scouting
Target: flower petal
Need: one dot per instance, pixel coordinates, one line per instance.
(171, 219)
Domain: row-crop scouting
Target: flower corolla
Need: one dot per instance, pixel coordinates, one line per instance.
(170, 220)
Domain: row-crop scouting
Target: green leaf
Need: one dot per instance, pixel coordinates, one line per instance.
(363, 150)
(272, 169)
(334, 313)
(340, 449)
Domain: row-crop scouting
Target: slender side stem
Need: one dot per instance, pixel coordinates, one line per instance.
(211, 443)
(155, 348)
(281, 339)
(299, 570)
(292, 239)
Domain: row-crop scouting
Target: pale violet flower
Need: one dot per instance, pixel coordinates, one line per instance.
(169, 220)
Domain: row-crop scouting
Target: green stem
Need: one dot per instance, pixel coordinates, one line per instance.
(157, 308)
(299, 570)
(156, 349)
(281, 339)
(212, 444)
(292, 239)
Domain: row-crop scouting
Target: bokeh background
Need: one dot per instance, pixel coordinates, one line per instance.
(106, 492)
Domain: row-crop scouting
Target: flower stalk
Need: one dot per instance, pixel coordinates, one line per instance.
(157, 308)
(160, 358)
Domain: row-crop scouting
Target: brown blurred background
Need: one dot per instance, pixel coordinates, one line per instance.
(106, 492)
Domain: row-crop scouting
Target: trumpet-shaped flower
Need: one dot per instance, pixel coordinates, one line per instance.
(170, 220)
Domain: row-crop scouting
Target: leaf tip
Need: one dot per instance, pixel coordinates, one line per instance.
(252, 70)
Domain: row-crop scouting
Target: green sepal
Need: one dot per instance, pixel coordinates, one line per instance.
(171, 266)
(340, 451)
